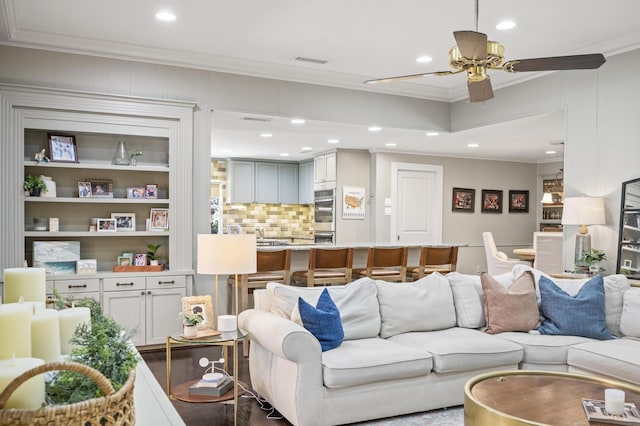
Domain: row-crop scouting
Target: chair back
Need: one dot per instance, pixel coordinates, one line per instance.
(278, 260)
(497, 261)
(330, 258)
(326, 266)
(548, 248)
(385, 263)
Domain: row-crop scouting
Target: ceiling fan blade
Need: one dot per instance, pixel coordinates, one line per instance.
(557, 63)
(480, 91)
(472, 45)
(409, 77)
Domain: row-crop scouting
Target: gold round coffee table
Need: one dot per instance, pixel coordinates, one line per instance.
(530, 397)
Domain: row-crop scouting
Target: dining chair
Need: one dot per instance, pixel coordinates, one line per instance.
(434, 259)
(385, 263)
(548, 249)
(326, 267)
(497, 261)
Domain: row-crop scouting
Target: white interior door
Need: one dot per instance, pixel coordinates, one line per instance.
(416, 200)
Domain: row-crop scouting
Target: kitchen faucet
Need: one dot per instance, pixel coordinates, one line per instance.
(260, 232)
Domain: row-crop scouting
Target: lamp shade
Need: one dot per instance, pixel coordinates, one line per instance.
(226, 254)
(547, 198)
(583, 211)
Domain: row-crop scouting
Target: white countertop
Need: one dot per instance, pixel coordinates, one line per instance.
(356, 246)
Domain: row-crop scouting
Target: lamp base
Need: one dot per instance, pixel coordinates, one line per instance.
(583, 244)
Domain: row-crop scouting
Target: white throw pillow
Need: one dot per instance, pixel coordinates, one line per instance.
(424, 305)
(467, 297)
(630, 320)
(356, 301)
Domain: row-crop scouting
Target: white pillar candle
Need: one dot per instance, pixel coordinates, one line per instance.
(614, 401)
(30, 394)
(15, 331)
(45, 335)
(26, 282)
(69, 320)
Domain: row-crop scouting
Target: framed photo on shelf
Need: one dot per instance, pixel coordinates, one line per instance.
(87, 266)
(62, 148)
(491, 201)
(125, 222)
(135, 192)
(518, 201)
(159, 220)
(463, 200)
(106, 225)
(141, 259)
(151, 191)
(124, 261)
(202, 305)
(84, 189)
(101, 188)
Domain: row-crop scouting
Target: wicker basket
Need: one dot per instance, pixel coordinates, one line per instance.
(114, 408)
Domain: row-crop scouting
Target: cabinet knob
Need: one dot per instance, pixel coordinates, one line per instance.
(142, 293)
(149, 292)
(124, 284)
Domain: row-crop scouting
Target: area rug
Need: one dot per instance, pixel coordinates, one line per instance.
(444, 417)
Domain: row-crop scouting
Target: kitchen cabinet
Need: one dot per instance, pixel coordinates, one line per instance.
(241, 181)
(305, 182)
(324, 166)
(266, 183)
(552, 210)
(262, 182)
(629, 235)
(76, 288)
(288, 184)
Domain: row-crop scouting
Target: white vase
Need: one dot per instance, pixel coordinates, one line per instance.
(190, 331)
(153, 262)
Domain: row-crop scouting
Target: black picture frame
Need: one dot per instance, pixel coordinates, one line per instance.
(518, 201)
(463, 200)
(491, 201)
(62, 148)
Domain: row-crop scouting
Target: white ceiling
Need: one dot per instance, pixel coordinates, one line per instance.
(360, 39)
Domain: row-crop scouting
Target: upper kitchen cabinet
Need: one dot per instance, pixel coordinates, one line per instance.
(288, 183)
(324, 166)
(305, 182)
(241, 180)
(262, 182)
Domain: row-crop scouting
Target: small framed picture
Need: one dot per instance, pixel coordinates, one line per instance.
(63, 148)
(491, 201)
(234, 229)
(159, 219)
(518, 201)
(87, 266)
(151, 191)
(463, 200)
(124, 261)
(141, 259)
(627, 263)
(101, 188)
(84, 189)
(125, 222)
(135, 192)
(106, 225)
(202, 305)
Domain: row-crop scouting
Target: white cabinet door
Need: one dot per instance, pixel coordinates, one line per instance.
(319, 169)
(266, 182)
(305, 183)
(162, 307)
(241, 181)
(330, 166)
(288, 183)
(127, 308)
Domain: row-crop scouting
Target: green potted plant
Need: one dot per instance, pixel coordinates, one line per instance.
(134, 157)
(592, 258)
(190, 321)
(152, 254)
(34, 185)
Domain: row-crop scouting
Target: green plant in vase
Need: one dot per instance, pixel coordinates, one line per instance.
(34, 185)
(190, 321)
(152, 254)
(592, 258)
(134, 157)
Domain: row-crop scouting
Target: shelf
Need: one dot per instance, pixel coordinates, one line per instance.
(99, 166)
(632, 228)
(553, 206)
(633, 249)
(629, 268)
(96, 200)
(76, 234)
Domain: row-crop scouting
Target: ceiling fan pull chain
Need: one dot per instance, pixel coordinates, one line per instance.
(476, 13)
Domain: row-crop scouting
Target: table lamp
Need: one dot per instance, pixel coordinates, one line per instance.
(226, 254)
(583, 211)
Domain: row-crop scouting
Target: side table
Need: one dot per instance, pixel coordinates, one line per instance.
(226, 340)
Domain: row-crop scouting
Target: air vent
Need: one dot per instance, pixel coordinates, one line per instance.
(260, 119)
(311, 60)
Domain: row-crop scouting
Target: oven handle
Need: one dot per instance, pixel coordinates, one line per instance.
(324, 209)
(322, 199)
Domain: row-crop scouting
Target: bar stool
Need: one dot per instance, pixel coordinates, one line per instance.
(385, 263)
(434, 259)
(326, 267)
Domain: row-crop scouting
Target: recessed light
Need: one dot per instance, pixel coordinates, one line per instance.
(284, 154)
(505, 25)
(333, 140)
(306, 148)
(375, 128)
(551, 152)
(473, 145)
(390, 144)
(432, 133)
(424, 59)
(297, 121)
(165, 15)
(265, 135)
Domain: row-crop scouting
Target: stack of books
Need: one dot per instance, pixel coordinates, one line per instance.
(211, 385)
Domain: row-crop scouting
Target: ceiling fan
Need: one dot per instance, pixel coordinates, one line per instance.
(475, 54)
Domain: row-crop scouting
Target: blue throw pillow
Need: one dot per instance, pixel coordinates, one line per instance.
(580, 315)
(323, 321)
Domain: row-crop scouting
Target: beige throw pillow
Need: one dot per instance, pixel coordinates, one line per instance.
(510, 309)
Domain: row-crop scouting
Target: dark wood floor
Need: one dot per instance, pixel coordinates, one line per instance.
(185, 367)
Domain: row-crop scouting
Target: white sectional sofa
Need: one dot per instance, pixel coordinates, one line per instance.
(410, 347)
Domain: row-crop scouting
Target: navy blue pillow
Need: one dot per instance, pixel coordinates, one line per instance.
(580, 315)
(323, 321)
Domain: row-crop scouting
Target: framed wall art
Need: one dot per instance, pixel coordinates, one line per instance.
(202, 305)
(463, 200)
(491, 201)
(518, 201)
(62, 148)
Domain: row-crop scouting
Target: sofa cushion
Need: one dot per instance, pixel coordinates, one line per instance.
(616, 358)
(323, 321)
(614, 288)
(512, 309)
(356, 301)
(580, 315)
(463, 349)
(543, 349)
(630, 319)
(424, 305)
(467, 297)
(362, 361)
